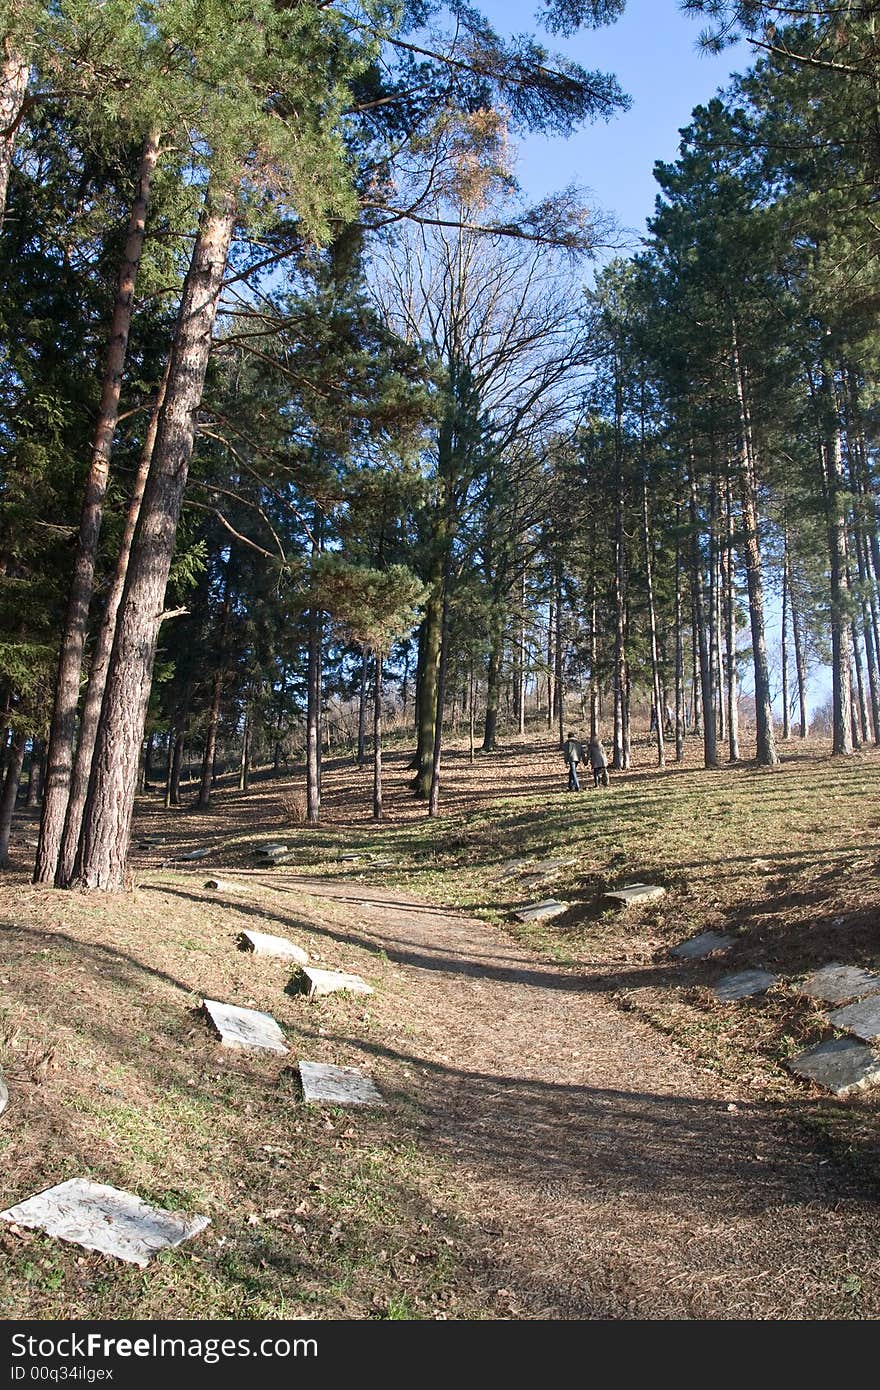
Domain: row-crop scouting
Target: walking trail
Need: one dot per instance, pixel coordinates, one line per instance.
(604, 1174)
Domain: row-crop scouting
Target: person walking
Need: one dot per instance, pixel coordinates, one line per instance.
(573, 753)
(598, 762)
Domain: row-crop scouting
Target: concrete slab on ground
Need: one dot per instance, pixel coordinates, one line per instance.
(246, 1029)
(861, 1018)
(840, 1065)
(4, 1094)
(699, 947)
(195, 854)
(325, 1084)
(262, 944)
(538, 912)
(744, 985)
(105, 1219)
(632, 894)
(319, 982)
(836, 984)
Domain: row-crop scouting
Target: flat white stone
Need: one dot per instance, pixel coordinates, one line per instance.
(744, 985)
(331, 1085)
(223, 885)
(247, 1029)
(536, 912)
(636, 893)
(330, 981)
(270, 850)
(195, 854)
(701, 946)
(838, 983)
(840, 1065)
(264, 945)
(861, 1018)
(105, 1219)
(4, 1094)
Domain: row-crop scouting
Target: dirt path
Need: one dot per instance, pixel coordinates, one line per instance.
(604, 1176)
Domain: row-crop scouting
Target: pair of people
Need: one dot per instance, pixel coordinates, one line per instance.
(573, 752)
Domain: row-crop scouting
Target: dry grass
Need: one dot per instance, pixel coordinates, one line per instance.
(114, 1074)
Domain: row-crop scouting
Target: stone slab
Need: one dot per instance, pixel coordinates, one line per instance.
(698, 947)
(634, 893)
(4, 1094)
(224, 885)
(836, 984)
(195, 854)
(318, 982)
(861, 1018)
(262, 944)
(105, 1219)
(247, 1029)
(323, 1083)
(538, 912)
(744, 985)
(269, 851)
(840, 1065)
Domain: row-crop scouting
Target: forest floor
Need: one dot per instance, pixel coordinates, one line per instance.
(575, 1127)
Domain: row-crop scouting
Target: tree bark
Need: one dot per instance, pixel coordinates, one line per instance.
(207, 781)
(313, 717)
(377, 736)
(710, 745)
(652, 628)
(766, 746)
(101, 858)
(730, 629)
(10, 792)
(14, 71)
(800, 664)
(91, 710)
(34, 782)
(493, 682)
(786, 715)
(63, 727)
(679, 647)
(841, 651)
(362, 712)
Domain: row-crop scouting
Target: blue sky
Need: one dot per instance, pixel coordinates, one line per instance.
(653, 51)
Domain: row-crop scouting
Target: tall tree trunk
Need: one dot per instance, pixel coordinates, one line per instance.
(34, 782)
(786, 714)
(313, 717)
(362, 712)
(427, 691)
(172, 794)
(800, 664)
(377, 735)
(841, 651)
(522, 659)
(679, 645)
(91, 710)
(63, 727)
(210, 754)
(14, 72)
(730, 628)
(550, 691)
(766, 745)
(652, 628)
(434, 789)
(471, 710)
(493, 682)
(10, 792)
(101, 858)
(594, 657)
(710, 746)
(860, 705)
(244, 768)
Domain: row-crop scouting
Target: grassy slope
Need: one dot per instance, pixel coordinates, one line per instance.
(113, 1073)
